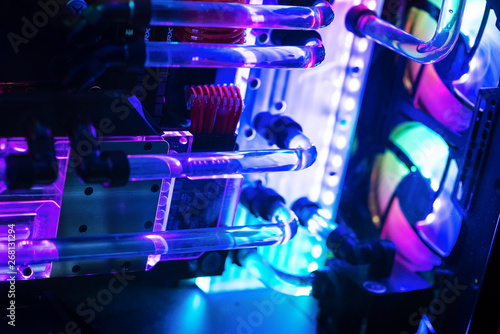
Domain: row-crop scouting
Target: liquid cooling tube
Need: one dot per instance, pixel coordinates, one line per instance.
(236, 15)
(161, 54)
(156, 166)
(312, 217)
(364, 23)
(281, 229)
(273, 278)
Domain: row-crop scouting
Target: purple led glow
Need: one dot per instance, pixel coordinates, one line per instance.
(237, 15)
(36, 215)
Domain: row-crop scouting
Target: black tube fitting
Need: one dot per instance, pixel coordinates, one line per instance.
(353, 16)
(276, 129)
(39, 165)
(110, 168)
(379, 254)
(91, 66)
(94, 20)
(344, 244)
(260, 201)
(304, 209)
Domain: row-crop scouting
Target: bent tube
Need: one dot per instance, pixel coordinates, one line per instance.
(273, 278)
(236, 15)
(278, 232)
(448, 27)
(157, 166)
(161, 54)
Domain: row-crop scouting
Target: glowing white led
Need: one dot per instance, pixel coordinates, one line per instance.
(349, 104)
(333, 180)
(372, 4)
(354, 85)
(316, 251)
(337, 161)
(312, 266)
(341, 142)
(357, 63)
(328, 197)
(362, 44)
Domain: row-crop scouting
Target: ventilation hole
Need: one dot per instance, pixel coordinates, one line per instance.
(82, 228)
(490, 115)
(76, 269)
(255, 83)
(279, 105)
(155, 188)
(148, 146)
(485, 134)
(148, 224)
(89, 191)
(27, 272)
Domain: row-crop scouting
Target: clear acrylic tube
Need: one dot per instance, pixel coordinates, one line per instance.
(281, 230)
(156, 166)
(161, 54)
(396, 39)
(273, 278)
(320, 226)
(236, 15)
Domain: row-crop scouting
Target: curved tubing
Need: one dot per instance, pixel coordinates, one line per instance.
(161, 54)
(281, 230)
(273, 278)
(398, 40)
(236, 15)
(320, 227)
(157, 166)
